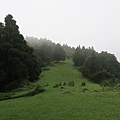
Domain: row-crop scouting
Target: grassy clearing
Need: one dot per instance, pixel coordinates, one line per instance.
(65, 72)
(69, 103)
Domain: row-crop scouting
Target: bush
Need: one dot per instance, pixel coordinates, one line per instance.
(71, 83)
(39, 89)
(64, 83)
(55, 86)
(101, 76)
(85, 89)
(110, 82)
(10, 86)
(83, 84)
(59, 84)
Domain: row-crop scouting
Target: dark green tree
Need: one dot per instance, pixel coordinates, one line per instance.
(77, 59)
(59, 53)
(69, 51)
(90, 66)
(46, 53)
(80, 55)
(43, 49)
(100, 67)
(17, 62)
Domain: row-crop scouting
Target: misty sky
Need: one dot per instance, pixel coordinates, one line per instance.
(85, 22)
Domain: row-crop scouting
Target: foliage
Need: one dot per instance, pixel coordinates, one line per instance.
(80, 55)
(59, 53)
(69, 51)
(96, 66)
(46, 53)
(71, 83)
(45, 50)
(55, 105)
(17, 61)
(83, 84)
(112, 82)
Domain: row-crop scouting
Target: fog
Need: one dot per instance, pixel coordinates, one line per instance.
(85, 22)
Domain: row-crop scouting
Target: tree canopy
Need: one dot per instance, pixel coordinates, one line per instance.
(47, 51)
(17, 62)
(96, 66)
(59, 53)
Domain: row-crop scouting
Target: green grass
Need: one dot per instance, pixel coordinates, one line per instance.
(65, 72)
(69, 103)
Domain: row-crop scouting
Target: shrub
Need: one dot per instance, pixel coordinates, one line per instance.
(118, 85)
(83, 84)
(71, 83)
(85, 89)
(96, 90)
(55, 86)
(30, 93)
(101, 76)
(39, 89)
(64, 83)
(61, 87)
(110, 82)
(59, 84)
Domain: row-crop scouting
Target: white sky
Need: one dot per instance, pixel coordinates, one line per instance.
(85, 22)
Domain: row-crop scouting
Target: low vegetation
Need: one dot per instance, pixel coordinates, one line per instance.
(64, 102)
(35, 84)
(98, 67)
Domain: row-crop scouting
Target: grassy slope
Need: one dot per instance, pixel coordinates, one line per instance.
(68, 104)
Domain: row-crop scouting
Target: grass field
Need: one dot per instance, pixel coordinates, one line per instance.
(66, 103)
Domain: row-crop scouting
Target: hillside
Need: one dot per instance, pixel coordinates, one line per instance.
(64, 102)
(65, 72)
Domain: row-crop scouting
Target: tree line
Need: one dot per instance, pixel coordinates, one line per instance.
(22, 60)
(98, 67)
(17, 62)
(48, 51)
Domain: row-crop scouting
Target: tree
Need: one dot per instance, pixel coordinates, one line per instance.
(17, 62)
(59, 53)
(80, 55)
(43, 49)
(90, 66)
(46, 54)
(69, 51)
(100, 67)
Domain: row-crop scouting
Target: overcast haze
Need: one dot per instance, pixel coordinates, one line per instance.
(85, 22)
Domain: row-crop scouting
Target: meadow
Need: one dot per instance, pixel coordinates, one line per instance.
(64, 102)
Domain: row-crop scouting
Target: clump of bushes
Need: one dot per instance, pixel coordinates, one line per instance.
(4, 95)
(96, 90)
(83, 84)
(118, 85)
(45, 68)
(38, 89)
(85, 89)
(57, 85)
(64, 83)
(110, 82)
(71, 83)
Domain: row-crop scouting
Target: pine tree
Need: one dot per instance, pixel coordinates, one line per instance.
(59, 53)
(17, 62)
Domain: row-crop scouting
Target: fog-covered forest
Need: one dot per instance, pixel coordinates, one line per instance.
(22, 59)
